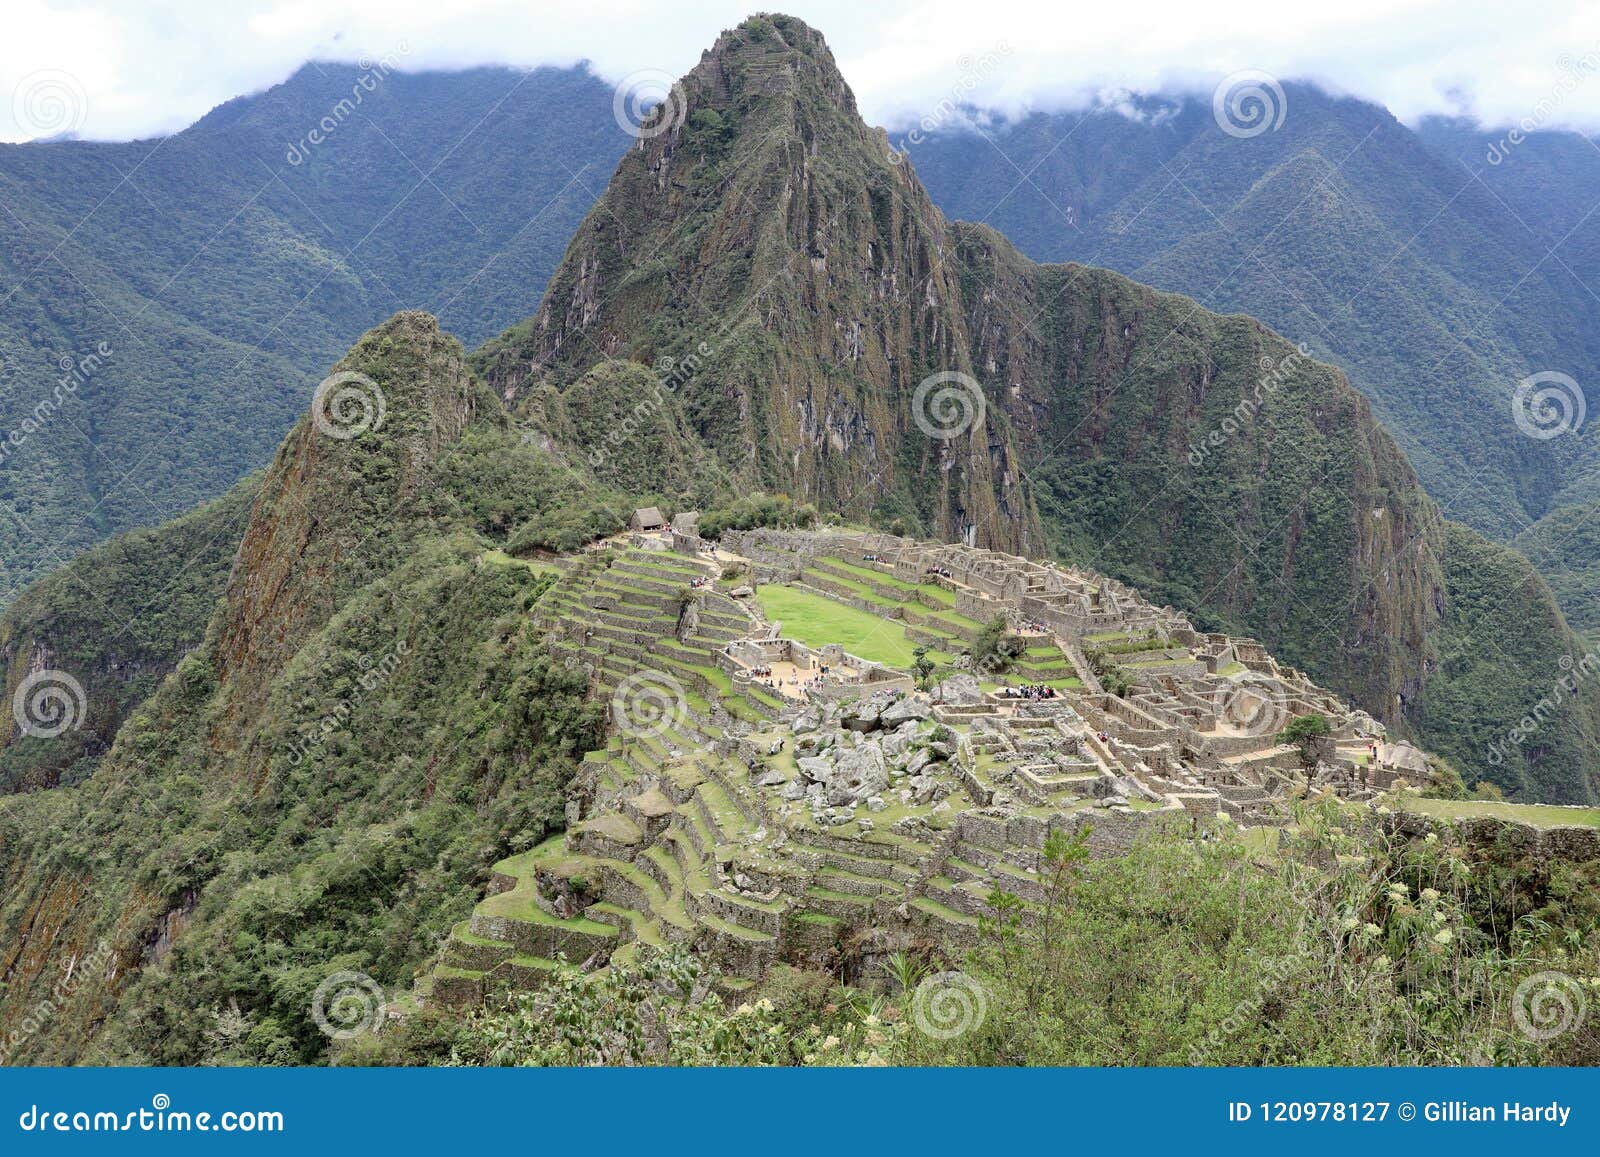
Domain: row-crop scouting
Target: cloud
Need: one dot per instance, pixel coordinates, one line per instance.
(116, 69)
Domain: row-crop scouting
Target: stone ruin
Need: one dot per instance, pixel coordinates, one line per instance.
(757, 825)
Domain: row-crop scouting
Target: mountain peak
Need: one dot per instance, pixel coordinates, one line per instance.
(768, 63)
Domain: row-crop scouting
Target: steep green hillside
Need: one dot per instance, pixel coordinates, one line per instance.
(1506, 657)
(1565, 546)
(798, 283)
(381, 707)
(170, 303)
(1403, 256)
(109, 626)
(364, 729)
(805, 288)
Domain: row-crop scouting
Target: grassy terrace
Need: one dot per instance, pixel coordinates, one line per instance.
(817, 621)
(870, 584)
(884, 578)
(1539, 815)
(501, 558)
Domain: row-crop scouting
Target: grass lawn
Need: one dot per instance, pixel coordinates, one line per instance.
(501, 558)
(932, 590)
(1539, 815)
(817, 621)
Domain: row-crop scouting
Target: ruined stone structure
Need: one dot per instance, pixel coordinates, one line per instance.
(758, 818)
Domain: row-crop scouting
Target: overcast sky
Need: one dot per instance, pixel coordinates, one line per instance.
(115, 69)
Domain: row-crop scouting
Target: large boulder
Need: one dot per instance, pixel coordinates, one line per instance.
(958, 691)
(858, 774)
(863, 716)
(816, 770)
(903, 711)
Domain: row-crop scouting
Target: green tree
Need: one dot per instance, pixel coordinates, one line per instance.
(1308, 733)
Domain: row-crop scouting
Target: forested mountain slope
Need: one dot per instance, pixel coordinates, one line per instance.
(373, 716)
(1418, 264)
(169, 303)
(767, 244)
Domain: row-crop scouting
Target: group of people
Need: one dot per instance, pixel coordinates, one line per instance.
(942, 572)
(798, 682)
(1029, 691)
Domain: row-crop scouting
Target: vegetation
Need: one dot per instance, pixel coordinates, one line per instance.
(323, 783)
(1347, 947)
(116, 619)
(996, 648)
(1309, 733)
(1113, 677)
(778, 510)
(1517, 705)
(1386, 274)
(222, 299)
(372, 714)
(817, 620)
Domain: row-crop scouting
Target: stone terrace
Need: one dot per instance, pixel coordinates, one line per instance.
(755, 826)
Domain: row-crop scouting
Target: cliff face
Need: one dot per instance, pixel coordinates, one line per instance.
(232, 841)
(1213, 464)
(760, 233)
(824, 331)
(343, 479)
(762, 224)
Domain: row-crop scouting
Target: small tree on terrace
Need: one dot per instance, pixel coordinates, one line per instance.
(1307, 733)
